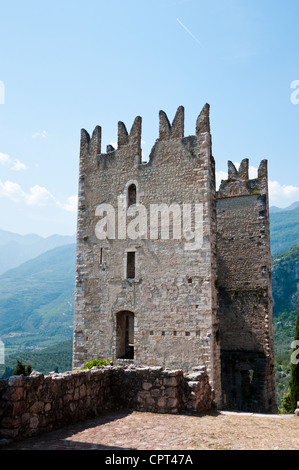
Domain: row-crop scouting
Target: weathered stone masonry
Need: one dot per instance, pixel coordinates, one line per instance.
(30, 406)
(245, 292)
(157, 303)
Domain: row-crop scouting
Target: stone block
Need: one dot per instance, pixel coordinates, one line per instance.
(147, 386)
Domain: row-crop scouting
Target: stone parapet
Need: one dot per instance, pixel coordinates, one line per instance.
(30, 406)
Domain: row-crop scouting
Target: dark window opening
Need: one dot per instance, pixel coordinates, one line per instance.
(125, 335)
(132, 195)
(131, 265)
(101, 257)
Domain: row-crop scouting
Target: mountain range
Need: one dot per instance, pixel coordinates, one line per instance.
(15, 249)
(37, 301)
(289, 208)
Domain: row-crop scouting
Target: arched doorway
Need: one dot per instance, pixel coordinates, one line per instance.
(125, 335)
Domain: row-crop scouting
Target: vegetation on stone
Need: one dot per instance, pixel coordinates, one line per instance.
(96, 363)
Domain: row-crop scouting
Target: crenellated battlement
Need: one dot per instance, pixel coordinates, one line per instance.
(238, 182)
(131, 141)
(176, 129)
(243, 172)
(91, 146)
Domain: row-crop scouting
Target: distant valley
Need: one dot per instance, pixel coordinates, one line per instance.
(37, 301)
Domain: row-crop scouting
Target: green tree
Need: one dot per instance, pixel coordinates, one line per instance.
(286, 405)
(22, 370)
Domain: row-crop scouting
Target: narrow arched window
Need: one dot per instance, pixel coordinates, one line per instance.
(132, 195)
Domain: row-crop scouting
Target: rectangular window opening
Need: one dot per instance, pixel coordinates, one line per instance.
(131, 265)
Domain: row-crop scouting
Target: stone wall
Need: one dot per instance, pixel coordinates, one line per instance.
(245, 293)
(30, 406)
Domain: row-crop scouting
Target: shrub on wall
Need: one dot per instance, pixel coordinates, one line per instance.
(96, 363)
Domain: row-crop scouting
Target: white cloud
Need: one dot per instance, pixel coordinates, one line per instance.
(4, 158)
(11, 190)
(40, 135)
(37, 196)
(71, 205)
(17, 165)
(282, 195)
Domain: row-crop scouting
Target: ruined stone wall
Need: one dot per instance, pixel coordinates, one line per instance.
(173, 295)
(30, 406)
(245, 294)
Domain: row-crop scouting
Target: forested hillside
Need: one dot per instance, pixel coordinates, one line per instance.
(37, 301)
(284, 228)
(285, 286)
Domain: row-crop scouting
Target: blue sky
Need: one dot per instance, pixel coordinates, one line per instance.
(69, 64)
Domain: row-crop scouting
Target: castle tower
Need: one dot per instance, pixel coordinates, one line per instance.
(149, 296)
(245, 291)
(168, 272)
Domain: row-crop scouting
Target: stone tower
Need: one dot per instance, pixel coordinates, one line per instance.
(150, 277)
(245, 290)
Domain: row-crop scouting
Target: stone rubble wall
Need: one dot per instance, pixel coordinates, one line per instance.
(30, 406)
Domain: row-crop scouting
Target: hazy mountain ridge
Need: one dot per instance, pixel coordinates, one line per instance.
(16, 249)
(289, 208)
